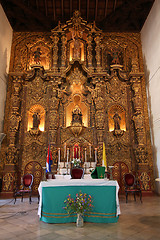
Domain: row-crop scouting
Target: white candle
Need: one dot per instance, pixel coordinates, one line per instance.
(59, 156)
(85, 154)
(95, 155)
(67, 154)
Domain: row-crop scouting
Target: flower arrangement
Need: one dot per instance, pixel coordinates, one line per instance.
(81, 204)
(76, 162)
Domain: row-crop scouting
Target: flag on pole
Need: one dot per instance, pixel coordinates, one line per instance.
(104, 156)
(49, 160)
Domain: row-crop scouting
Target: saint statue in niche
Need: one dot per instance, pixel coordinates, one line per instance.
(117, 120)
(37, 56)
(36, 120)
(76, 115)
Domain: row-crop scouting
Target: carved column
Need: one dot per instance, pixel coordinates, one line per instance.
(63, 56)
(12, 152)
(53, 119)
(98, 51)
(89, 51)
(55, 40)
(99, 116)
(141, 154)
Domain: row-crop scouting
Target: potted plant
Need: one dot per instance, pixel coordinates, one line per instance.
(82, 204)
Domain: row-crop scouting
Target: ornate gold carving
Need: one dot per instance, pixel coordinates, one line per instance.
(12, 155)
(55, 40)
(115, 80)
(145, 179)
(76, 77)
(8, 179)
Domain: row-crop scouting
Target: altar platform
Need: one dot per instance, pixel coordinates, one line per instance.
(53, 193)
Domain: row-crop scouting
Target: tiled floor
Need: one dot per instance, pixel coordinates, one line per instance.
(136, 222)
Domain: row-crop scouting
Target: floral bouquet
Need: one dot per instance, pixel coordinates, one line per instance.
(76, 162)
(81, 204)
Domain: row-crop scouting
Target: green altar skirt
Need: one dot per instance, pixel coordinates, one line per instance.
(104, 202)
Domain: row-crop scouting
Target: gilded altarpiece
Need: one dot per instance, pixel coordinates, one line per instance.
(76, 86)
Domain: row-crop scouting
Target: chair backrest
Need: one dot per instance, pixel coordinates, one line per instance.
(129, 179)
(77, 173)
(50, 175)
(27, 180)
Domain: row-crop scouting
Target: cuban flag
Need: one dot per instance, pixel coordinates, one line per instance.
(49, 160)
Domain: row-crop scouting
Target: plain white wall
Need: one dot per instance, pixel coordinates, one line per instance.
(150, 37)
(6, 33)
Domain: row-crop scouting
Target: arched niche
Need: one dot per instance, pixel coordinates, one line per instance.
(76, 50)
(76, 100)
(116, 118)
(39, 110)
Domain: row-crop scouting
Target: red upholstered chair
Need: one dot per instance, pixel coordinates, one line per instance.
(77, 173)
(132, 186)
(27, 181)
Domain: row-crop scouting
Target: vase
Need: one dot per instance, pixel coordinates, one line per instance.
(79, 222)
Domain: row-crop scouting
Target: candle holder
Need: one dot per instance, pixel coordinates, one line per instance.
(44, 174)
(67, 169)
(110, 171)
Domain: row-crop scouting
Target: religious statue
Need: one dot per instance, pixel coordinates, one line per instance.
(76, 115)
(36, 120)
(37, 56)
(117, 120)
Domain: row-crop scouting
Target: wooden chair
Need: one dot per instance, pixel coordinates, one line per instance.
(27, 181)
(132, 186)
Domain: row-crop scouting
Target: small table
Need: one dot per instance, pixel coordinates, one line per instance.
(54, 192)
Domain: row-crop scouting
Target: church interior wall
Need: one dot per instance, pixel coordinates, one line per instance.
(5, 50)
(150, 36)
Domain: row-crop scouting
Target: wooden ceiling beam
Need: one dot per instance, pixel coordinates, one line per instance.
(118, 18)
(37, 4)
(62, 9)
(79, 5)
(71, 7)
(106, 8)
(114, 7)
(54, 10)
(87, 9)
(96, 10)
(27, 22)
(46, 10)
(35, 14)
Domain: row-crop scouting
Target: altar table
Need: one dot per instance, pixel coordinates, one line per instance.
(53, 193)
